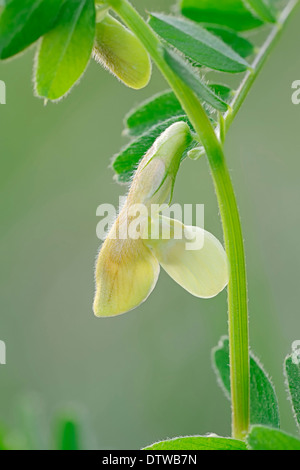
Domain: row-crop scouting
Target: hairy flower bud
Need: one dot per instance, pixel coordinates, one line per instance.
(121, 52)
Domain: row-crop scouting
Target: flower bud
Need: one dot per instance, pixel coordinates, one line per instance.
(121, 52)
(154, 179)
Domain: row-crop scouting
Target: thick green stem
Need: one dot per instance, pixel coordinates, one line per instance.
(237, 289)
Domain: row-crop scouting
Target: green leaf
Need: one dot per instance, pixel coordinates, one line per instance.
(68, 434)
(197, 43)
(23, 22)
(188, 75)
(263, 438)
(152, 112)
(237, 42)
(199, 443)
(125, 162)
(263, 9)
(66, 50)
(231, 13)
(263, 401)
(292, 373)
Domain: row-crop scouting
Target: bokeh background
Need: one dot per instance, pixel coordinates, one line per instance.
(146, 375)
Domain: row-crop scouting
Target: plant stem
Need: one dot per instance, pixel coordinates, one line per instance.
(237, 288)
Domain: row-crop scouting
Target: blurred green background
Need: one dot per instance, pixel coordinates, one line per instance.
(146, 375)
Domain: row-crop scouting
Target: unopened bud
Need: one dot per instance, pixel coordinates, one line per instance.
(121, 52)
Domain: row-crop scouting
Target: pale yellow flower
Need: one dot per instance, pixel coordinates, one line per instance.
(128, 268)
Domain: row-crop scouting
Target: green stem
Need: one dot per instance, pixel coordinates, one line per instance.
(237, 289)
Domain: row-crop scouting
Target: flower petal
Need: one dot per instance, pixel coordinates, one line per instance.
(196, 260)
(126, 274)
